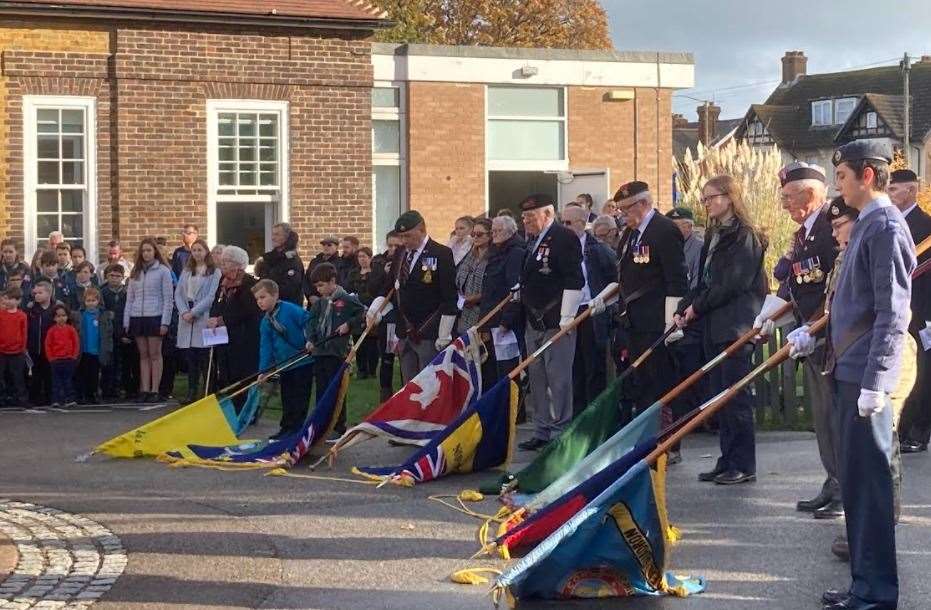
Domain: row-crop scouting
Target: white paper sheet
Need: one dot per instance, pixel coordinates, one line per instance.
(505, 342)
(215, 336)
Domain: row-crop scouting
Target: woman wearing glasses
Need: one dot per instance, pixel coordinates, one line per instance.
(725, 302)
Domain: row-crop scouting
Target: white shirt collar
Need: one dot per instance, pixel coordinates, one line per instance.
(419, 250)
(909, 209)
(811, 220)
(646, 221)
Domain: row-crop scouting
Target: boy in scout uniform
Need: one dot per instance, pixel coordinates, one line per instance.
(551, 290)
(868, 324)
(802, 272)
(423, 277)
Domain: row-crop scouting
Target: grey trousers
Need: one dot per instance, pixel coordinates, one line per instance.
(820, 389)
(415, 357)
(550, 385)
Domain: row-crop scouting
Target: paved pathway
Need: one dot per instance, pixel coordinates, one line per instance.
(208, 539)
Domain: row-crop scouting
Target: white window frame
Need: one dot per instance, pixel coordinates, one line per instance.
(822, 105)
(214, 108)
(528, 166)
(837, 103)
(398, 159)
(872, 120)
(31, 105)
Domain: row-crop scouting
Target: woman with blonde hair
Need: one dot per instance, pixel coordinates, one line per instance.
(724, 303)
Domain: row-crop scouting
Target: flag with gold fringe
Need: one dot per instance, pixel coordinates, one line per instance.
(614, 546)
(481, 437)
(281, 453)
(210, 420)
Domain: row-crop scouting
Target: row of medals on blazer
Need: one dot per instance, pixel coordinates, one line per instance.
(808, 270)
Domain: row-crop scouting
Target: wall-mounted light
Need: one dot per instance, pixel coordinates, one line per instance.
(528, 71)
(619, 95)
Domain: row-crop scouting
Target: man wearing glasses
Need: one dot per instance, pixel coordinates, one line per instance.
(802, 272)
(182, 253)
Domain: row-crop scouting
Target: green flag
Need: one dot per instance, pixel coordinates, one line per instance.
(593, 426)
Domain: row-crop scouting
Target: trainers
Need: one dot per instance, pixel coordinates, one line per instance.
(70, 404)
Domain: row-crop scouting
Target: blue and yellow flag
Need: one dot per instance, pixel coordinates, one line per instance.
(482, 437)
(281, 453)
(616, 546)
(210, 420)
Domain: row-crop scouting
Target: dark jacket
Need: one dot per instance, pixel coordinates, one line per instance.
(286, 268)
(242, 318)
(105, 326)
(919, 225)
(366, 287)
(310, 291)
(428, 292)
(38, 322)
(550, 268)
(732, 285)
(115, 301)
(5, 272)
(502, 272)
(663, 275)
(600, 270)
(344, 267)
(179, 259)
(343, 309)
(819, 247)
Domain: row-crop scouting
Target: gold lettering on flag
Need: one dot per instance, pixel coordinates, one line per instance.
(638, 543)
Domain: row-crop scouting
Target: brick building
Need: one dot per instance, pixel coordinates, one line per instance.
(128, 118)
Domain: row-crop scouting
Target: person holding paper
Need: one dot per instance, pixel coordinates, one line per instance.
(193, 298)
(502, 273)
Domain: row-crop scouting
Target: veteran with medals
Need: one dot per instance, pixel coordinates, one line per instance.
(653, 278)
(802, 272)
(423, 277)
(550, 292)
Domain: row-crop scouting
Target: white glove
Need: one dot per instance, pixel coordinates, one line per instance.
(569, 308)
(602, 300)
(801, 343)
(373, 315)
(515, 293)
(671, 305)
(870, 402)
(675, 336)
(444, 335)
(765, 326)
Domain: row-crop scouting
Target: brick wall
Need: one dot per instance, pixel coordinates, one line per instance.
(446, 152)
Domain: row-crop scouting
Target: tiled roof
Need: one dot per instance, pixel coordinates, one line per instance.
(787, 112)
(343, 10)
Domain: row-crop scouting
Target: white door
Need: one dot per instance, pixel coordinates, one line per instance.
(575, 182)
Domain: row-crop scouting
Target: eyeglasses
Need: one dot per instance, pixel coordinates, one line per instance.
(705, 200)
(479, 234)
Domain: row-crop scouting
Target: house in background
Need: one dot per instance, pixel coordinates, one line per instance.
(710, 130)
(809, 115)
(130, 118)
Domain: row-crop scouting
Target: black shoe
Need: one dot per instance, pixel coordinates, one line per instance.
(852, 603)
(809, 506)
(912, 447)
(840, 548)
(832, 510)
(141, 398)
(709, 476)
(533, 444)
(833, 596)
(734, 477)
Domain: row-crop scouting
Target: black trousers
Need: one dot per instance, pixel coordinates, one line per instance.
(63, 380)
(866, 487)
(367, 356)
(166, 386)
(87, 378)
(13, 380)
(915, 422)
(40, 381)
(655, 376)
(325, 368)
(689, 356)
(296, 387)
(589, 374)
(735, 420)
(197, 359)
(386, 363)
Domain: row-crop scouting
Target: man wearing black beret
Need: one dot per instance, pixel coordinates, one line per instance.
(424, 280)
(915, 425)
(550, 290)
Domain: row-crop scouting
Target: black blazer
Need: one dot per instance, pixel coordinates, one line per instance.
(428, 292)
(553, 266)
(919, 224)
(242, 318)
(501, 274)
(728, 297)
(808, 296)
(665, 275)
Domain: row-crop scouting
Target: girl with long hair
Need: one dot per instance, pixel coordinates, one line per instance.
(194, 295)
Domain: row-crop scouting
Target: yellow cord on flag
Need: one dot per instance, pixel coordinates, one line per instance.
(473, 576)
(282, 472)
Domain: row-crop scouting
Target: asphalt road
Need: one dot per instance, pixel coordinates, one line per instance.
(208, 539)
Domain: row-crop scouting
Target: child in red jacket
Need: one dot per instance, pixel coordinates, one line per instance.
(62, 348)
(12, 350)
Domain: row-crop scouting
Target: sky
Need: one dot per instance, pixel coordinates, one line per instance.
(738, 45)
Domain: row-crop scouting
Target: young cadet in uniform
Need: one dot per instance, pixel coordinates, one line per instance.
(916, 418)
(424, 280)
(801, 273)
(550, 290)
(868, 324)
(653, 278)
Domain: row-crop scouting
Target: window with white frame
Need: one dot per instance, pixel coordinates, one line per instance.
(843, 107)
(822, 113)
(247, 159)
(59, 170)
(526, 124)
(388, 158)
